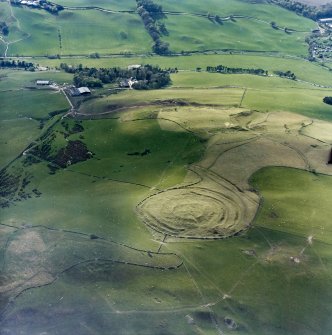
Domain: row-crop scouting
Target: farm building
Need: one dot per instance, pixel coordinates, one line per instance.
(43, 82)
(84, 91)
(327, 20)
(75, 92)
(128, 83)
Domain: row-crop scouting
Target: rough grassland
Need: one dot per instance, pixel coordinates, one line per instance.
(15, 136)
(222, 97)
(300, 206)
(99, 196)
(205, 79)
(306, 102)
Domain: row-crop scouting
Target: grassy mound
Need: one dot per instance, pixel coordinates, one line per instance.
(212, 208)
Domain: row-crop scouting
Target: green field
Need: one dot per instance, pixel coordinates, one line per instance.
(304, 70)
(200, 208)
(23, 109)
(192, 33)
(108, 4)
(224, 8)
(98, 197)
(35, 32)
(97, 32)
(252, 31)
(286, 198)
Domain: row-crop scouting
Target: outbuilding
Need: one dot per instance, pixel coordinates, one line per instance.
(75, 92)
(43, 82)
(84, 91)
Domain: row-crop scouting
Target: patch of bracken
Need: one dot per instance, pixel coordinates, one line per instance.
(74, 152)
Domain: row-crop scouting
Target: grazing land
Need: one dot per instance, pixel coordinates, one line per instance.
(199, 208)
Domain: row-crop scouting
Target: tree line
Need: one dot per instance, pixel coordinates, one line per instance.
(235, 70)
(147, 76)
(312, 12)
(17, 64)
(150, 13)
(239, 70)
(286, 74)
(43, 4)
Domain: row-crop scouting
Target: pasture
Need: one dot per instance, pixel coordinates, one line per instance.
(23, 111)
(200, 208)
(136, 167)
(115, 5)
(196, 33)
(224, 8)
(113, 31)
(304, 70)
(78, 32)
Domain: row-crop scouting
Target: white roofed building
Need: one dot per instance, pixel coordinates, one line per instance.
(84, 90)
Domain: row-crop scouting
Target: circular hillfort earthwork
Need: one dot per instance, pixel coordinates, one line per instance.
(210, 209)
(220, 202)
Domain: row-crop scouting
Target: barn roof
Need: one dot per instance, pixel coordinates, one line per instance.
(83, 90)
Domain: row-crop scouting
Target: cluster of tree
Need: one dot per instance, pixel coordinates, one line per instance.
(50, 7)
(150, 13)
(4, 28)
(300, 8)
(17, 64)
(328, 100)
(236, 70)
(215, 18)
(287, 74)
(44, 4)
(147, 76)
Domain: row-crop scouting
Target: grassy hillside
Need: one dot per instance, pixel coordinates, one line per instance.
(251, 31)
(98, 32)
(195, 33)
(108, 4)
(224, 8)
(22, 109)
(200, 208)
(303, 190)
(40, 33)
